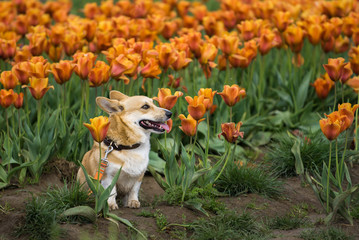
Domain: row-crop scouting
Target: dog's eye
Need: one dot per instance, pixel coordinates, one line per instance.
(146, 106)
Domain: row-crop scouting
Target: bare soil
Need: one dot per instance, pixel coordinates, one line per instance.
(295, 193)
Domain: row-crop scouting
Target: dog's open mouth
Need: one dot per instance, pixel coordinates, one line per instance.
(156, 126)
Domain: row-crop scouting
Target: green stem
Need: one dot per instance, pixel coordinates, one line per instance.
(207, 145)
(194, 143)
(64, 96)
(225, 163)
(337, 164)
(356, 127)
(343, 158)
(7, 124)
(99, 168)
(38, 116)
(329, 165)
(230, 114)
(335, 96)
(82, 102)
(342, 92)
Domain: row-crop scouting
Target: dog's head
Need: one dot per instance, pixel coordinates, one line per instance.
(137, 111)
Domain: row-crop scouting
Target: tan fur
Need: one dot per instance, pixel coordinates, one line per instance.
(124, 116)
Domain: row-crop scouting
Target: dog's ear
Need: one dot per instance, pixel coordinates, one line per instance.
(117, 95)
(109, 105)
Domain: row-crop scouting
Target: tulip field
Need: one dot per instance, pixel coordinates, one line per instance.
(262, 142)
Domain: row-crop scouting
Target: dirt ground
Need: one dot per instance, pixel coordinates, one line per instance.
(294, 193)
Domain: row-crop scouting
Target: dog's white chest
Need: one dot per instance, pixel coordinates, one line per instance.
(135, 161)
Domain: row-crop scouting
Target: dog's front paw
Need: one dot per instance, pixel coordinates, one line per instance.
(133, 204)
(113, 206)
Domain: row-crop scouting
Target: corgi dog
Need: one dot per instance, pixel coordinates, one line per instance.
(132, 120)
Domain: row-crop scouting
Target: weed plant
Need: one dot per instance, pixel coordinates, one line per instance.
(314, 150)
(330, 233)
(42, 212)
(287, 222)
(247, 179)
(228, 225)
(205, 196)
(40, 221)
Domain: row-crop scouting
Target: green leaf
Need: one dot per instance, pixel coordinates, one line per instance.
(261, 138)
(195, 204)
(106, 194)
(83, 211)
(127, 223)
(89, 181)
(337, 203)
(156, 162)
(301, 94)
(299, 168)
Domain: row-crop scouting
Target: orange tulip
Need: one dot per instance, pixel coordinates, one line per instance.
(353, 83)
(208, 53)
(62, 71)
(84, 63)
(354, 59)
(281, 20)
(323, 86)
(266, 41)
(37, 42)
(189, 124)
(166, 55)
(208, 95)
(196, 107)
(194, 43)
(165, 98)
(99, 75)
(38, 87)
(170, 125)
(249, 29)
(7, 98)
(9, 80)
(71, 42)
(243, 57)
(18, 100)
(294, 37)
(347, 110)
(22, 71)
(229, 44)
(337, 69)
(56, 33)
(231, 132)
(330, 129)
(314, 32)
(22, 54)
(39, 67)
(55, 52)
(7, 48)
(98, 128)
(151, 69)
(232, 94)
(181, 61)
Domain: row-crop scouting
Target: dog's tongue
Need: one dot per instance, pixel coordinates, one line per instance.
(165, 126)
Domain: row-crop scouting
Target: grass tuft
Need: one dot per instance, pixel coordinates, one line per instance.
(237, 180)
(228, 225)
(42, 212)
(205, 196)
(330, 233)
(313, 152)
(40, 221)
(287, 222)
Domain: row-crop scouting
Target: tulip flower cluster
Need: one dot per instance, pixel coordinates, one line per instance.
(338, 121)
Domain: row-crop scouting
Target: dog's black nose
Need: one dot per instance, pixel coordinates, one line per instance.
(168, 113)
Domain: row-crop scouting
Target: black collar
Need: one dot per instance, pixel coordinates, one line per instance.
(108, 142)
